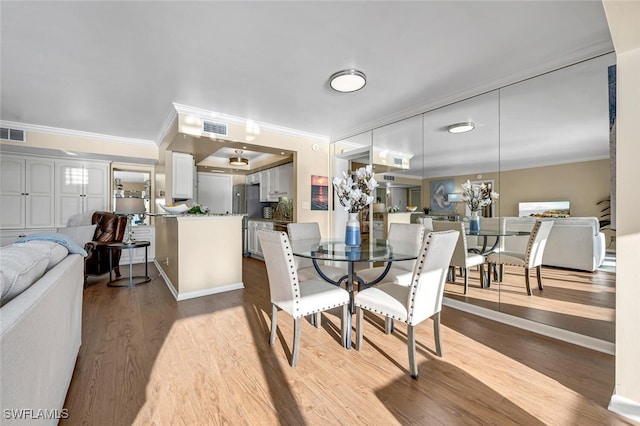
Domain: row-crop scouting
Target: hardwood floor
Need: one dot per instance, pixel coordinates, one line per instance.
(147, 359)
(578, 301)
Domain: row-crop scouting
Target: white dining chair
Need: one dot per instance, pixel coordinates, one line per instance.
(310, 231)
(401, 271)
(417, 302)
(461, 257)
(295, 298)
(531, 258)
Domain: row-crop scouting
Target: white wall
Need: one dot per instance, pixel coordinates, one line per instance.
(623, 18)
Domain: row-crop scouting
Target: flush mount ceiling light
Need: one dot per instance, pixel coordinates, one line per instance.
(348, 80)
(462, 127)
(238, 159)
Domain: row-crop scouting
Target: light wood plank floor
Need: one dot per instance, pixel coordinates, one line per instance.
(578, 301)
(149, 360)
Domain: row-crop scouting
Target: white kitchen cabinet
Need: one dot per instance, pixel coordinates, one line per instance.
(264, 185)
(140, 233)
(280, 182)
(276, 182)
(255, 249)
(81, 186)
(253, 179)
(26, 192)
(182, 175)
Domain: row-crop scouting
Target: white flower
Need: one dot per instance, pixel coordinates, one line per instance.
(478, 196)
(355, 195)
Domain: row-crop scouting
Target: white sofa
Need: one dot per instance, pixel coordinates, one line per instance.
(40, 332)
(574, 243)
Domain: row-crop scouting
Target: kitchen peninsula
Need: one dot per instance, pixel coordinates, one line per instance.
(201, 254)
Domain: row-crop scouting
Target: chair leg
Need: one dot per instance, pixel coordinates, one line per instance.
(436, 333)
(359, 315)
(388, 325)
(274, 323)
(344, 323)
(411, 345)
(526, 281)
(452, 270)
(296, 342)
(539, 273)
(318, 318)
(466, 280)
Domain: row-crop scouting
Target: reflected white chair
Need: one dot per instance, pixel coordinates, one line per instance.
(295, 298)
(527, 260)
(461, 257)
(311, 231)
(417, 302)
(401, 271)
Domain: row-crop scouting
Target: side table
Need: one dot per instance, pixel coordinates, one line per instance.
(120, 282)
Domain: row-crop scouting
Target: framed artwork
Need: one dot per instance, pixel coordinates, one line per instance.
(319, 193)
(439, 200)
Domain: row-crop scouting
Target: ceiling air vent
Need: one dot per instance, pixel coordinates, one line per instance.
(213, 127)
(13, 135)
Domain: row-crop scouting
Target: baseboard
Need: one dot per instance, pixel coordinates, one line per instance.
(625, 407)
(210, 291)
(535, 327)
(199, 293)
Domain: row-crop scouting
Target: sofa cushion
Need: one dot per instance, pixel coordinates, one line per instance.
(54, 251)
(80, 234)
(20, 266)
(63, 239)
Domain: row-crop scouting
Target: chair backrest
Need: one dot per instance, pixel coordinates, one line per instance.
(281, 270)
(303, 231)
(429, 275)
(459, 257)
(537, 242)
(110, 227)
(409, 233)
(427, 223)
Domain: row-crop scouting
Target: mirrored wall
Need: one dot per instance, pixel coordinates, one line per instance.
(542, 140)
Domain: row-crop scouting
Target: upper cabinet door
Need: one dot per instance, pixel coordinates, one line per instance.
(40, 198)
(12, 190)
(182, 175)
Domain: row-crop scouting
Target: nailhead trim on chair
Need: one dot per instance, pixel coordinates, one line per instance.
(414, 286)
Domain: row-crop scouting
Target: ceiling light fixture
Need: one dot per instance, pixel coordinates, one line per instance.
(238, 159)
(462, 127)
(348, 80)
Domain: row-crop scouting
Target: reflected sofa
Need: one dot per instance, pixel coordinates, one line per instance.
(574, 243)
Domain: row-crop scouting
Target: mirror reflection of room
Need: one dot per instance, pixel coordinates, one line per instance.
(133, 184)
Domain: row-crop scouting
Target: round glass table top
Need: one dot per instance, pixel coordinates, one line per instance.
(371, 250)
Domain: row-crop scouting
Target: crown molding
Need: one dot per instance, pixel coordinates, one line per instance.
(232, 119)
(75, 133)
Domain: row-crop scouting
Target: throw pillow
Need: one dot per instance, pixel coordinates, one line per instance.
(54, 251)
(80, 219)
(20, 266)
(63, 239)
(80, 234)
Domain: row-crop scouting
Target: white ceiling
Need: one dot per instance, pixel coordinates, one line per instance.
(115, 68)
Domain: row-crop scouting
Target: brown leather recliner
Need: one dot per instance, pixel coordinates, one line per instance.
(110, 229)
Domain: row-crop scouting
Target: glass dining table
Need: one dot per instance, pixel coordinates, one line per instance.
(370, 251)
(497, 235)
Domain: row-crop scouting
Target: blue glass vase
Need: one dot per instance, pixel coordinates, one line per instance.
(352, 235)
(474, 222)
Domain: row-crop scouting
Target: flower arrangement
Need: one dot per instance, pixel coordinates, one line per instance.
(354, 189)
(478, 196)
